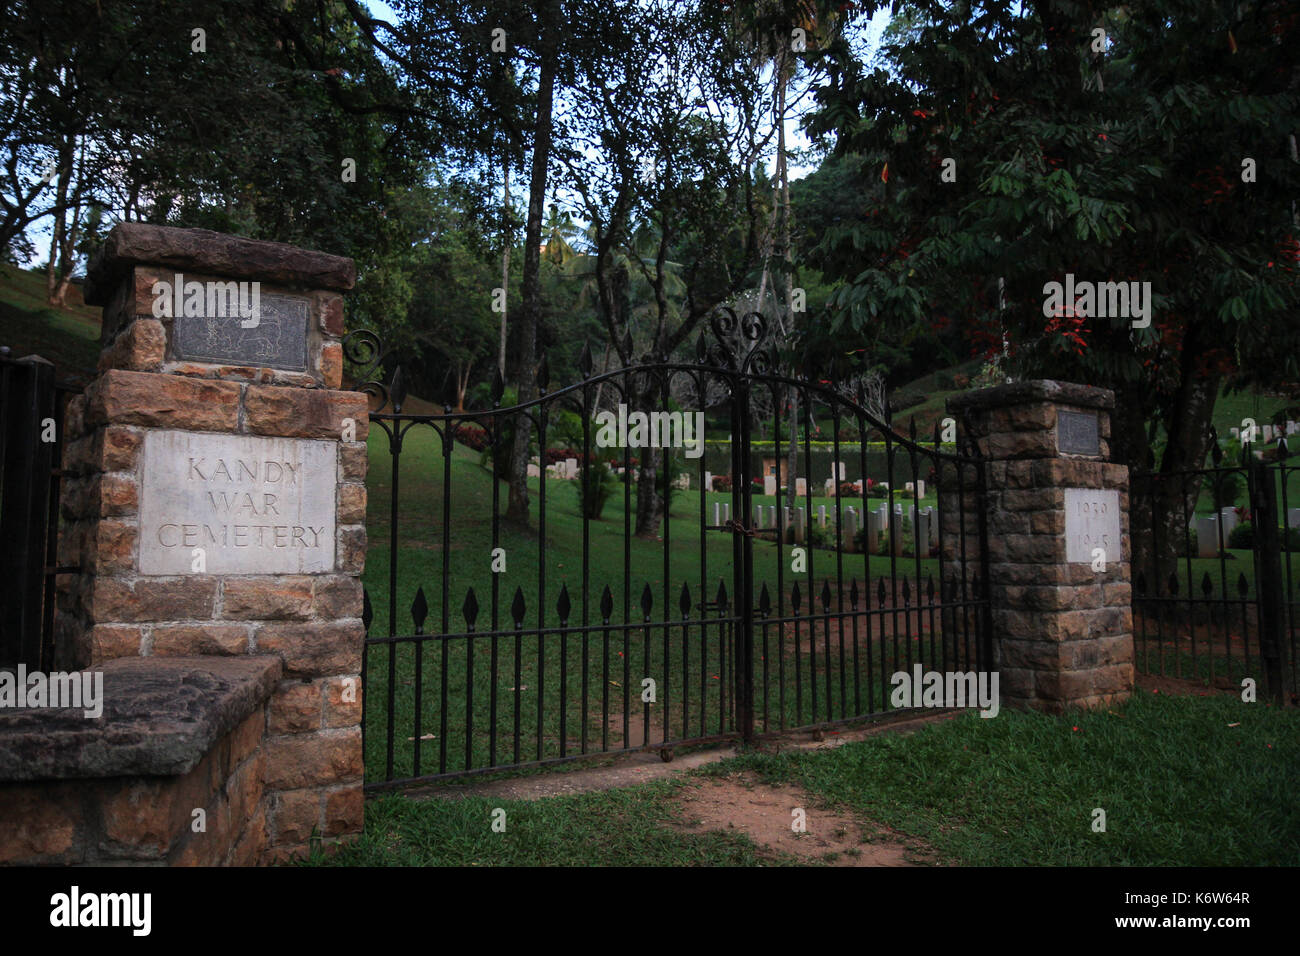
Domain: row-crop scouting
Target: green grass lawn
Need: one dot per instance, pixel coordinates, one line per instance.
(68, 337)
(1183, 781)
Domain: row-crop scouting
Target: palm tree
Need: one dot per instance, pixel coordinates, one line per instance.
(770, 33)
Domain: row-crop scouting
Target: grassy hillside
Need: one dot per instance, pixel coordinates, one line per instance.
(68, 337)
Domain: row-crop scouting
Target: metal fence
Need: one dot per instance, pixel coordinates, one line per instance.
(1214, 587)
(31, 431)
(588, 639)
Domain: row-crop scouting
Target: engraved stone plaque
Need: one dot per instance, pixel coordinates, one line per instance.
(254, 505)
(1077, 434)
(278, 341)
(1091, 521)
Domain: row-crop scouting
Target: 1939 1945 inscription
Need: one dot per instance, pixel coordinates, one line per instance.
(254, 505)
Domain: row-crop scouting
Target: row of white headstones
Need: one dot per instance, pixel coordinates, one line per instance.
(925, 523)
(1268, 433)
(568, 470)
(1212, 530)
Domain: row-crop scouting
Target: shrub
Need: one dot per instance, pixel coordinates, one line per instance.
(860, 539)
(554, 455)
(1227, 489)
(596, 484)
(907, 400)
(723, 482)
(1242, 537)
(961, 380)
(818, 537)
(877, 491)
(849, 490)
(472, 437)
(850, 433)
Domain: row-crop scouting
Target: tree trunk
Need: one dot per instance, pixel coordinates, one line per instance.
(787, 306)
(649, 495)
(1159, 516)
(505, 266)
(462, 384)
(531, 310)
(650, 499)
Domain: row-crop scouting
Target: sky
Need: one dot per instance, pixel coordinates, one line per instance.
(870, 33)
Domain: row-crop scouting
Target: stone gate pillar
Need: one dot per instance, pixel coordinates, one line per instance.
(1062, 627)
(215, 502)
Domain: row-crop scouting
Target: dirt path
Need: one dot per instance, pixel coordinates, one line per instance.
(784, 820)
(627, 770)
(738, 803)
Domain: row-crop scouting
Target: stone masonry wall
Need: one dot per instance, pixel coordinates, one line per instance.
(1062, 630)
(313, 766)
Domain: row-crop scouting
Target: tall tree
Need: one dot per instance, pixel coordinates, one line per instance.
(1115, 143)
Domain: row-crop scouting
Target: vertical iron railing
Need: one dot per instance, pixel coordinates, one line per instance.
(649, 629)
(31, 441)
(1222, 609)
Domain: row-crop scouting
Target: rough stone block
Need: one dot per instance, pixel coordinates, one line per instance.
(295, 708)
(300, 761)
(186, 640)
(295, 816)
(163, 401)
(317, 649)
(267, 598)
(345, 811)
(153, 599)
(304, 413)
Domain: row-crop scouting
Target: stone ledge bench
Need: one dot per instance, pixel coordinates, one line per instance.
(176, 735)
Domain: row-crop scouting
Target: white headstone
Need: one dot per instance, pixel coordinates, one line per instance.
(255, 505)
(1207, 536)
(771, 516)
(821, 516)
(717, 513)
(726, 511)
(801, 487)
(908, 487)
(708, 481)
(533, 470)
(769, 484)
(1293, 517)
(920, 488)
(758, 516)
(875, 526)
(922, 536)
(800, 525)
(571, 467)
(851, 527)
(1228, 521)
(1235, 432)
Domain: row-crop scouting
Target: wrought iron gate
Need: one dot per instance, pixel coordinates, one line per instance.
(1214, 588)
(715, 629)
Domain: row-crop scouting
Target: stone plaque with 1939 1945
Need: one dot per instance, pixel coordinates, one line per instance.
(1091, 521)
